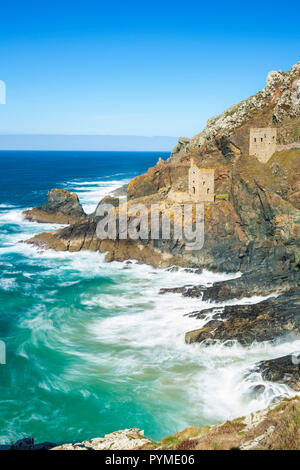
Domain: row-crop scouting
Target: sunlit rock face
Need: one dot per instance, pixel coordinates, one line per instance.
(279, 100)
(62, 207)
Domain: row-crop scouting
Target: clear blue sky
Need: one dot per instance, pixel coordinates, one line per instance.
(140, 68)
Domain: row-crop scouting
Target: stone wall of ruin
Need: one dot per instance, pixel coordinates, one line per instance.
(263, 143)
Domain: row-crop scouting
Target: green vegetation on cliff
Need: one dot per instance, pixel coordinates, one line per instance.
(276, 428)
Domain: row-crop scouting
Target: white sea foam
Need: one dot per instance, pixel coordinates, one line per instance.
(19, 230)
(211, 380)
(91, 192)
(6, 206)
(139, 333)
(13, 216)
(8, 284)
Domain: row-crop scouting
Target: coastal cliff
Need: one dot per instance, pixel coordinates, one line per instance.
(254, 219)
(252, 227)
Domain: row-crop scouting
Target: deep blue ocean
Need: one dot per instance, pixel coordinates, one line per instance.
(27, 176)
(91, 346)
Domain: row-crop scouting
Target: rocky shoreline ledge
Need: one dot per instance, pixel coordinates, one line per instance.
(272, 319)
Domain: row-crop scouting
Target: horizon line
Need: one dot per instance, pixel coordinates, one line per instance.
(87, 142)
(82, 150)
(87, 135)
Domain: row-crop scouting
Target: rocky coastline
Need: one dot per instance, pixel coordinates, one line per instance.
(255, 232)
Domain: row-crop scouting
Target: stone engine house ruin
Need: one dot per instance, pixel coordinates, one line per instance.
(201, 183)
(263, 143)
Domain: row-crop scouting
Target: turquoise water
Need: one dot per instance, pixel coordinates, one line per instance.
(91, 346)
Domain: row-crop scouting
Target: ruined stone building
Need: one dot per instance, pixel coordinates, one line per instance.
(263, 143)
(201, 183)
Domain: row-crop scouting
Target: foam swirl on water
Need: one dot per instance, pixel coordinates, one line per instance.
(93, 347)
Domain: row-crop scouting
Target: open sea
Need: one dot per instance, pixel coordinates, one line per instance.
(91, 346)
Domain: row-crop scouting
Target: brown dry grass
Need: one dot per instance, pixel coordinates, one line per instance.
(284, 419)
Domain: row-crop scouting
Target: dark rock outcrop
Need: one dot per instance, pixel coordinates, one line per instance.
(259, 282)
(75, 237)
(265, 321)
(62, 207)
(27, 443)
(284, 370)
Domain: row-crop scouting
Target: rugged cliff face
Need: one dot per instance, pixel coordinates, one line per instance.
(252, 226)
(253, 223)
(278, 104)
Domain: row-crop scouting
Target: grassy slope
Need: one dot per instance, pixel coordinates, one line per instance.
(276, 428)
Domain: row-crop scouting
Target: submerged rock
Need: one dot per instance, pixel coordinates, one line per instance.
(257, 390)
(175, 290)
(62, 207)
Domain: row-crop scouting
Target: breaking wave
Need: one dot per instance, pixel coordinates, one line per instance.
(93, 347)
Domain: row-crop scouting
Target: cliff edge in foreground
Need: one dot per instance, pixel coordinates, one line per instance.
(274, 428)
